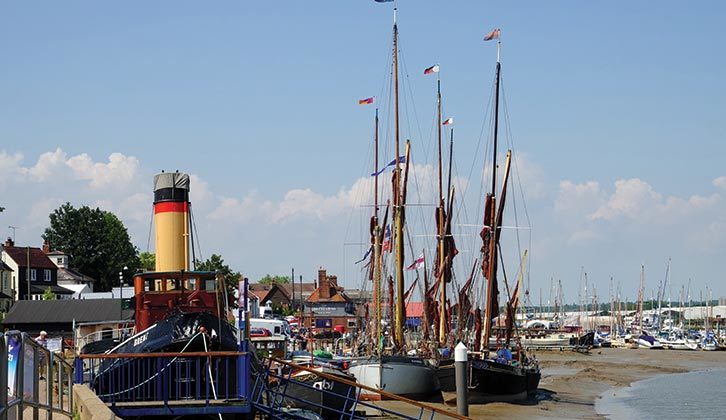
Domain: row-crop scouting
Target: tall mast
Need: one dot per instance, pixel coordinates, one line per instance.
(376, 249)
(375, 170)
(398, 208)
(640, 299)
(441, 232)
(493, 226)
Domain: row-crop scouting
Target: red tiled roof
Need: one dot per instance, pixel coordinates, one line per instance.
(413, 309)
(335, 297)
(38, 259)
(261, 294)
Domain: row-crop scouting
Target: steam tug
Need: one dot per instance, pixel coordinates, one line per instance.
(176, 310)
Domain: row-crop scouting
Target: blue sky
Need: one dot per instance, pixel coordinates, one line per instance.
(616, 111)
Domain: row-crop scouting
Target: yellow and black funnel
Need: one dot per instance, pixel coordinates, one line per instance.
(171, 218)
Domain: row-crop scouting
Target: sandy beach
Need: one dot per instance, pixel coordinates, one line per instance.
(572, 382)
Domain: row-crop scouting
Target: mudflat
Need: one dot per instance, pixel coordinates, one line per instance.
(572, 382)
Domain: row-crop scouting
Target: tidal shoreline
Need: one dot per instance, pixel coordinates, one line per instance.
(572, 382)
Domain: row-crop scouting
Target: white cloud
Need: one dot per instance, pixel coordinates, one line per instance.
(588, 213)
(632, 198)
(48, 166)
(119, 170)
(720, 182)
(10, 167)
(530, 175)
(251, 208)
(307, 204)
(574, 198)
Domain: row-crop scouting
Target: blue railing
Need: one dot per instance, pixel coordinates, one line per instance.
(279, 393)
(168, 383)
(37, 380)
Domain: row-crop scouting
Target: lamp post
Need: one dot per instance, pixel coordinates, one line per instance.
(121, 285)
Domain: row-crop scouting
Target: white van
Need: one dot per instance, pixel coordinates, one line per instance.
(276, 326)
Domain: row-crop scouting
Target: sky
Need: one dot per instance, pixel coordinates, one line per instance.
(614, 111)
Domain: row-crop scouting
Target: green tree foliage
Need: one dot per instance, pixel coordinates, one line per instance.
(96, 240)
(231, 278)
(147, 261)
(48, 294)
(268, 279)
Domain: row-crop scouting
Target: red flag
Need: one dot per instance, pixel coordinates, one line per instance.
(416, 264)
(432, 69)
(366, 101)
(448, 121)
(387, 244)
(492, 35)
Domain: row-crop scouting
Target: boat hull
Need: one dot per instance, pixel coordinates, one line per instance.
(177, 333)
(649, 342)
(559, 340)
(490, 381)
(404, 376)
(322, 395)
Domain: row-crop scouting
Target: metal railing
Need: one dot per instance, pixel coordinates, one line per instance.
(95, 336)
(37, 380)
(138, 384)
(277, 393)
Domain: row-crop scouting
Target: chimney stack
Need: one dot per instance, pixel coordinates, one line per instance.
(323, 284)
(46, 247)
(9, 242)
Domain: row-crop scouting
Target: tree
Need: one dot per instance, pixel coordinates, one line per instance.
(96, 240)
(268, 279)
(216, 263)
(147, 261)
(48, 294)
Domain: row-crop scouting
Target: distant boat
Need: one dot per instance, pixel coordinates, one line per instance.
(647, 341)
(676, 340)
(546, 339)
(710, 343)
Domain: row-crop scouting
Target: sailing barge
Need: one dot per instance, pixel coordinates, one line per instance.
(502, 370)
(395, 373)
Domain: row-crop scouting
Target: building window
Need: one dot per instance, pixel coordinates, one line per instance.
(46, 275)
(33, 274)
(59, 260)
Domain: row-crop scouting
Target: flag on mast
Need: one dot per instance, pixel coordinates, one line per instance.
(367, 101)
(387, 244)
(492, 35)
(365, 256)
(401, 159)
(418, 263)
(432, 69)
(448, 121)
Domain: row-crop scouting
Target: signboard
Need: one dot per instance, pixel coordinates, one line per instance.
(13, 356)
(323, 323)
(55, 345)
